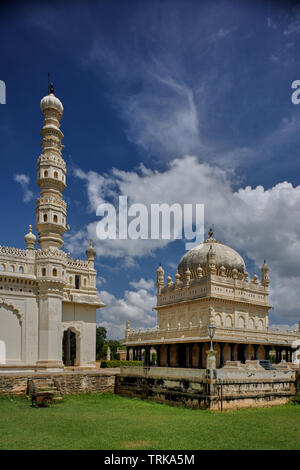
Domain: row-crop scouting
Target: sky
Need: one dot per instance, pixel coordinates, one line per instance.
(165, 102)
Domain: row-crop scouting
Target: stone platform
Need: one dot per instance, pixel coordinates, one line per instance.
(227, 388)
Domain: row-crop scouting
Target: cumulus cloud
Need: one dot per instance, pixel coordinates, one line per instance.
(260, 223)
(136, 306)
(24, 181)
(143, 284)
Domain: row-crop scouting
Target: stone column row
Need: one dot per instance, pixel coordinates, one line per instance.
(185, 353)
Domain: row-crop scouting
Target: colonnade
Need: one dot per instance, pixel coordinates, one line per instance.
(194, 354)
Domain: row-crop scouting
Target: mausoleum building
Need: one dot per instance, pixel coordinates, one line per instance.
(211, 287)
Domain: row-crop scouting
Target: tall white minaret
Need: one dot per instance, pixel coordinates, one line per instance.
(51, 176)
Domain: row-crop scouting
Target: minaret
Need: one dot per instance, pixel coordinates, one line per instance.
(51, 176)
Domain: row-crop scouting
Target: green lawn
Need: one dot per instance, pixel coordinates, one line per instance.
(113, 422)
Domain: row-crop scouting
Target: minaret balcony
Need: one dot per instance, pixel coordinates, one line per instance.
(45, 228)
(51, 182)
(49, 130)
(51, 202)
(57, 160)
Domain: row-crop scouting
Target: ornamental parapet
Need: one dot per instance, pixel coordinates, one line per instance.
(213, 286)
(77, 264)
(51, 253)
(196, 333)
(11, 251)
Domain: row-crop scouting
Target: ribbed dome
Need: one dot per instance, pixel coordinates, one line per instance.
(30, 238)
(51, 101)
(224, 256)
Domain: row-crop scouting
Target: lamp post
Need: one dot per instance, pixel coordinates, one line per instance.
(211, 332)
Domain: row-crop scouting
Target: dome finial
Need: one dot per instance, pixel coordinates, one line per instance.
(30, 239)
(210, 232)
(51, 88)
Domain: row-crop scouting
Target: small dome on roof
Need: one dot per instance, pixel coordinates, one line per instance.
(91, 252)
(30, 238)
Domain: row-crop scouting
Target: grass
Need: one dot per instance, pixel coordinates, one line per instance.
(114, 422)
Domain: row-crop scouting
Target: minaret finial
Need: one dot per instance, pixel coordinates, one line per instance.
(210, 232)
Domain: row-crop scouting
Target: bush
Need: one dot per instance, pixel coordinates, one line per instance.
(106, 364)
(296, 399)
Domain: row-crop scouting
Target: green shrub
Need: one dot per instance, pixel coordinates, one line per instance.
(108, 364)
(296, 399)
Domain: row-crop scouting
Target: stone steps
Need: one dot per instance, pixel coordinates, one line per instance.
(43, 384)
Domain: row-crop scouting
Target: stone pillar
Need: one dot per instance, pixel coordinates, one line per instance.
(221, 354)
(200, 362)
(147, 356)
(50, 318)
(127, 353)
(168, 355)
(255, 346)
(232, 345)
(287, 354)
(158, 355)
(278, 354)
(244, 353)
(191, 355)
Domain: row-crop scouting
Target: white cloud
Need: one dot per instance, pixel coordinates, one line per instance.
(166, 120)
(260, 223)
(143, 284)
(136, 306)
(100, 281)
(24, 181)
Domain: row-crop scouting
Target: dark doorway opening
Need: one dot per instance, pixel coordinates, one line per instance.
(69, 348)
(241, 348)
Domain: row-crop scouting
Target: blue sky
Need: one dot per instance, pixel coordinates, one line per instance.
(179, 101)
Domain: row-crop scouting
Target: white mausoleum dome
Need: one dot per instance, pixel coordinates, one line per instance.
(224, 256)
(51, 101)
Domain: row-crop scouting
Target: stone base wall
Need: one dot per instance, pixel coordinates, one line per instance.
(67, 383)
(195, 389)
(78, 383)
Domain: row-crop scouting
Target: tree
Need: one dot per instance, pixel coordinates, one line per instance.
(114, 345)
(100, 340)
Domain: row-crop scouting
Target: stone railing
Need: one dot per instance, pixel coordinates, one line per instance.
(77, 264)
(221, 334)
(51, 253)
(215, 286)
(12, 252)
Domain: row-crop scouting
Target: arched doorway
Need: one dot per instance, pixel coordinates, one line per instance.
(69, 355)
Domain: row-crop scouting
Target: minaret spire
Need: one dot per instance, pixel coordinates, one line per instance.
(51, 208)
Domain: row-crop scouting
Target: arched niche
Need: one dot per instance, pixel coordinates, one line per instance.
(10, 333)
